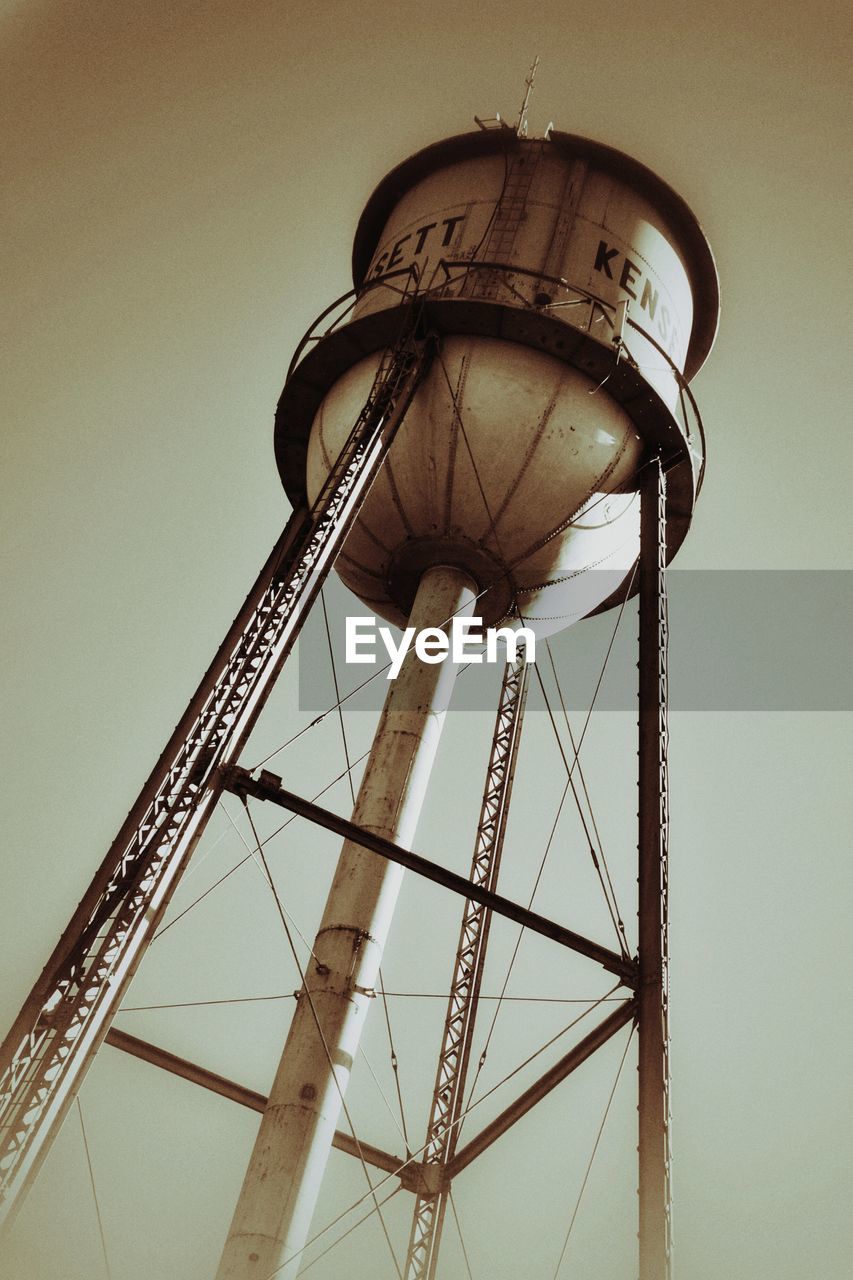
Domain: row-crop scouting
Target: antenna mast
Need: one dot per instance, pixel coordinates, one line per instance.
(521, 125)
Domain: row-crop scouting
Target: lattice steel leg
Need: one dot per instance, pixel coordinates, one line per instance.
(448, 1095)
(67, 1014)
(652, 994)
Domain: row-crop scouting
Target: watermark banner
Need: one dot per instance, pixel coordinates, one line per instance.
(739, 640)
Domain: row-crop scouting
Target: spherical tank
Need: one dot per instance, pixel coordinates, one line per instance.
(572, 294)
(504, 465)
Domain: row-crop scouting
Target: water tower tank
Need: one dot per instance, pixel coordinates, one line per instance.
(574, 295)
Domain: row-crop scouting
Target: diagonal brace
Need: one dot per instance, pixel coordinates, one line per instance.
(572, 1060)
(267, 786)
(239, 1093)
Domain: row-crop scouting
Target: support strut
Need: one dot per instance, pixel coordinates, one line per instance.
(67, 1014)
(199, 1075)
(454, 1057)
(653, 915)
(267, 786)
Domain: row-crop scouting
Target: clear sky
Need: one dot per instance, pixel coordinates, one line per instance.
(181, 183)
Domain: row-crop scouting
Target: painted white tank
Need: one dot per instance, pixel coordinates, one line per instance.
(505, 464)
(554, 216)
(574, 295)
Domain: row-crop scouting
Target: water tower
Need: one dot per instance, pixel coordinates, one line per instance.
(495, 421)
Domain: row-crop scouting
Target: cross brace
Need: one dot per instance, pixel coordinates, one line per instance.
(567, 1064)
(267, 786)
(414, 1175)
(237, 1093)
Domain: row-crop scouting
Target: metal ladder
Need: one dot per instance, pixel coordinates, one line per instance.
(510, 213)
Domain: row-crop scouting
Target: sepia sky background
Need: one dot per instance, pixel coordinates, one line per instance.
(181, 183)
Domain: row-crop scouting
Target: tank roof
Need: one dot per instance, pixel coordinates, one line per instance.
(691, 241)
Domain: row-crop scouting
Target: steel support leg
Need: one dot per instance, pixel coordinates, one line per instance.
(448, 1095)
(652, 993)
(67, 1014)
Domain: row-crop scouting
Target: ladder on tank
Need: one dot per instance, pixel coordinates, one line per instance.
(510, 213)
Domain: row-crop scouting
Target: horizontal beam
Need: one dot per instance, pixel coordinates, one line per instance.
(238, 1093)
(267, 786)
(573, 1059)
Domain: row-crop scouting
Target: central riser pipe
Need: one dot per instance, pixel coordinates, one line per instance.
(282, 1183)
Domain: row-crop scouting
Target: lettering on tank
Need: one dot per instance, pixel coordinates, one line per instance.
(431, 235)
(617, 266)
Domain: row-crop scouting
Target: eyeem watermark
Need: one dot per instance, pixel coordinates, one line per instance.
(741, 640)
(433, 645)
